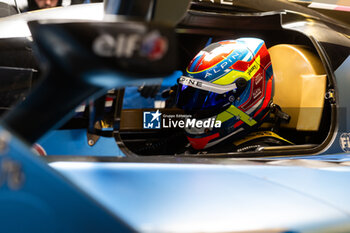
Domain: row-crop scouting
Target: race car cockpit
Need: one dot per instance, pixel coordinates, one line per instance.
(302, 92)
(299, 91)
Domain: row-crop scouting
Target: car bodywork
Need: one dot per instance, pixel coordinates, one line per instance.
(183, 193)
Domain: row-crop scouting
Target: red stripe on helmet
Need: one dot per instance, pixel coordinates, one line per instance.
(242, 65)
(199, 62)
(237, 124)
(267, 96)
(200, 143)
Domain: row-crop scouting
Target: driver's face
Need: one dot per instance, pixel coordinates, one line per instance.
(46, 3)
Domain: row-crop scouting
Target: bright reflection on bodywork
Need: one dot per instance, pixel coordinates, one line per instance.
(16, 25)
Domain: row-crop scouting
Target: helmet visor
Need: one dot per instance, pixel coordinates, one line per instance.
(204, 99)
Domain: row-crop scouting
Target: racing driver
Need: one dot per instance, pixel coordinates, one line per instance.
(231, 81)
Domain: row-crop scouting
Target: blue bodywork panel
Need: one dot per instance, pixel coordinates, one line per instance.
(219, 198)
(88, 196)
(75, 142)
(35, 198)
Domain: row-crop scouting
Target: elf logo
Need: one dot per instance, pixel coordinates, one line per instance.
(152, 45)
